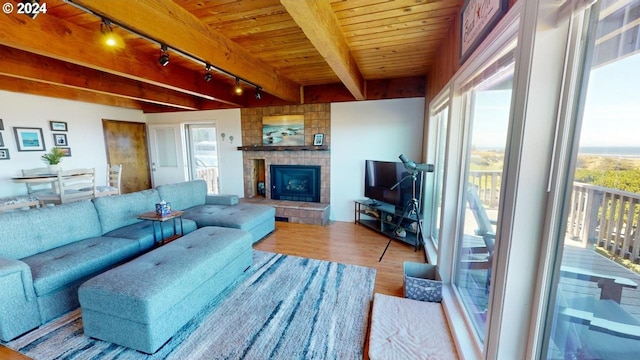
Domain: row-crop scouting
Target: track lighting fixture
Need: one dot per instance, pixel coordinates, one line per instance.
(208, 76)
(110, 38)
(238, 89)
(164, 56)
(114, 40)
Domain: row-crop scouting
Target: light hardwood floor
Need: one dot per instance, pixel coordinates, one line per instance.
(339, 242)
(347, 243)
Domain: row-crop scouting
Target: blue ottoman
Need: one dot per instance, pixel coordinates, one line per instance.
(143, 303)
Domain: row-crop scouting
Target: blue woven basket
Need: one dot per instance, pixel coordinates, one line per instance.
(421, 282)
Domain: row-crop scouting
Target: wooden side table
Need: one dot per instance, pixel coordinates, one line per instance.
(155, 218)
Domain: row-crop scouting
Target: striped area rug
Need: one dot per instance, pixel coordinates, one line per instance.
(284, 307)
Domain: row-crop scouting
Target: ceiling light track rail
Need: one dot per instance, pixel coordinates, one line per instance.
(164, 48)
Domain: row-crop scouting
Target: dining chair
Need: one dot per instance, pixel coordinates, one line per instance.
(72, 185)
(114, 178)
(18, 202)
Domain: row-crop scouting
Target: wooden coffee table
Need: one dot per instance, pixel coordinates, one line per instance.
(153, 216)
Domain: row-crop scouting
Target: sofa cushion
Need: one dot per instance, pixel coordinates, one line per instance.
(38, 230)
(185, 194)
(242, 216)
(59, 267)
(116, 211)
(221, 199)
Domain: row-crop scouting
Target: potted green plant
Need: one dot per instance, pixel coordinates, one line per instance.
(53, 159)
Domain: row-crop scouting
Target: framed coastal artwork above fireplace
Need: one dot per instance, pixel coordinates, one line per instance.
(283, 130)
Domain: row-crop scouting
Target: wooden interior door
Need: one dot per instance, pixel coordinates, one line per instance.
(126, 144)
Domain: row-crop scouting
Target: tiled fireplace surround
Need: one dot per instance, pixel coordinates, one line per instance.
(317, 119)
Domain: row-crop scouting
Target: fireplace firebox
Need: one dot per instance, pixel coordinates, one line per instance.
(295, 183)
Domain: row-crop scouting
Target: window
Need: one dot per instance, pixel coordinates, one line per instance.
(487, 99)
(595, 313)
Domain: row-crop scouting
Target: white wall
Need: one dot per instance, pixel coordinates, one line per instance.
(378, 130)
(227, 122)
(369, 130)
(84, 135)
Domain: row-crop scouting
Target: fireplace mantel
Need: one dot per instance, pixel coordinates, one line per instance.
(285, 148)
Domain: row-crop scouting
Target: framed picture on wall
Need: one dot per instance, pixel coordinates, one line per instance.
(318, 139)
(283, 130)
(66, 151)
(60, 140)
(29, 139)
(4, 154)
(1, 140)
(1, 125)
(58, 125)
(477, 19)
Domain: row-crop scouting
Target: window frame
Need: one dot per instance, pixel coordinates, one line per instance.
(572, 106)
(505, 32)
(434, 130)
(545, 59)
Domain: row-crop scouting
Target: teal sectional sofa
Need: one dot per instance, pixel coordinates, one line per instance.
(218, 210)
(47, 253)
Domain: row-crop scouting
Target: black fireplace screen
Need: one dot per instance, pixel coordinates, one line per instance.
(295, 183)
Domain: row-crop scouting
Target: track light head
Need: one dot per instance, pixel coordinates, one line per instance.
(238, 89)
(110, 38)
(207, 75)
(258, 93)
(164, 56)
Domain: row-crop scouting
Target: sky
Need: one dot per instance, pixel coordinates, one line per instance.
(611, 116)
(612, 110)
(491, 119)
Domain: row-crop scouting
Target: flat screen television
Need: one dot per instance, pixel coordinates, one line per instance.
(381, 176)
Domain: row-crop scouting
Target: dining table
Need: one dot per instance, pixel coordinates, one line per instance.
(36, 178)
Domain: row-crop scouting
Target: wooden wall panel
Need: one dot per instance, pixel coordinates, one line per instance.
(447, 62)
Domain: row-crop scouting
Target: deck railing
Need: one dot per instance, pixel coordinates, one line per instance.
(488, 184)
(598, 215)
(210, 175)
(605, 217)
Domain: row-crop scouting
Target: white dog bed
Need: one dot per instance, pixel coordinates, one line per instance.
(409, 329)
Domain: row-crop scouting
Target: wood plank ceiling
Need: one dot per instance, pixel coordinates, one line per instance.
(296, 51)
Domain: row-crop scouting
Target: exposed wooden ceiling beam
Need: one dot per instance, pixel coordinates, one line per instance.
(61, 92)
(167, 22)
(24, 65)
(55, 38)
(408, 87)
(317, 20)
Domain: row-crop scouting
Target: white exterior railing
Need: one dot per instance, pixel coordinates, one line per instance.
(210, 175)
(598, 215)
(605, 217)
(488, 184)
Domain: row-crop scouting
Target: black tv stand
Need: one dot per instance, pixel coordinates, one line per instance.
(373, 202)
(384, 217)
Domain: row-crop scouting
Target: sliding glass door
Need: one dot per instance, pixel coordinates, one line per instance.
(203, 154)
(595, 312)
